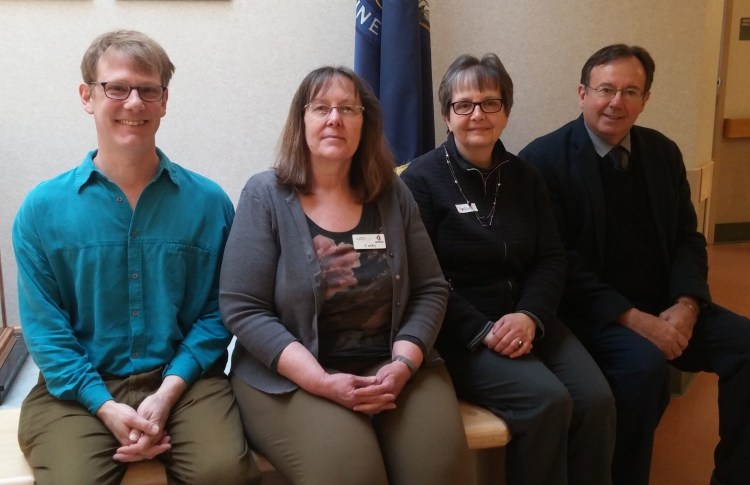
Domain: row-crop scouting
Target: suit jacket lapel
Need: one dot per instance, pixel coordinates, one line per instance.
(589, 168)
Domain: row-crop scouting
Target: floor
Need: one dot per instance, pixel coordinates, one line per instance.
(687, 435)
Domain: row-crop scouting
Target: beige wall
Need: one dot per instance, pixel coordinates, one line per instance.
(732, 179)
(238, 62)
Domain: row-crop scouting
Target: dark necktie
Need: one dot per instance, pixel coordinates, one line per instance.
(619, 158)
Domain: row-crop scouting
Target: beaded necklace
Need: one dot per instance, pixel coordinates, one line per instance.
(485, 221)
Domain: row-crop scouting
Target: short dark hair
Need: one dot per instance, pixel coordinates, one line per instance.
(372, 166)
(610, 53)
(485, 73)
(144, 51)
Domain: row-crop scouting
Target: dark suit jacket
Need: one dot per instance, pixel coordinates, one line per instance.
(570, 167)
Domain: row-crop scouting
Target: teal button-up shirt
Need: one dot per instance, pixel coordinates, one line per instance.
(108, 290)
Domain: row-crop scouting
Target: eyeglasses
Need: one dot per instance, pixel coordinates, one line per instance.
(609, 92)
(320, 110)
(121, 91)
(487, 106)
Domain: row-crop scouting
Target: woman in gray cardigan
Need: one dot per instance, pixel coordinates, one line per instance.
(330, 284)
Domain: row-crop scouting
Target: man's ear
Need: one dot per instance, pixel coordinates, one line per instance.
(164, 102)
(645, 98)
(84, 90)
(581, 94)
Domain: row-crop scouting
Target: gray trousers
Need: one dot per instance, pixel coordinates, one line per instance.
(314, 441)
(556, 402)
(65, 444)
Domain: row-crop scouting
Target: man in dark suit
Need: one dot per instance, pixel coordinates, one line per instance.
(636, 292)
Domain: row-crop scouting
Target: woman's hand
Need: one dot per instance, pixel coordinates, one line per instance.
(360, 393)
(391, 379)
(301, 367)
(512, 335)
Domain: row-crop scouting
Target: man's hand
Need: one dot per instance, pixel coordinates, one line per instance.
(129, 428)
(155, 410)
(146, 448)
(682, 316)
(666, 336)
(510, 331)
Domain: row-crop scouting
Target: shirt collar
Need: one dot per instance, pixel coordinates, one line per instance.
(601, 147)
(86, 171)
(499, 155)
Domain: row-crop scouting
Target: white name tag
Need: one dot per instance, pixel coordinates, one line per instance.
(368, 241)
(464, 208)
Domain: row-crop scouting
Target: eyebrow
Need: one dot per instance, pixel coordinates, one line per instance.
(626, 87)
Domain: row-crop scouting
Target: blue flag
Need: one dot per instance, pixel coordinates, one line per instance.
(392, 53)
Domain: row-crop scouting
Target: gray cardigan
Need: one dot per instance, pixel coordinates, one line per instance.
(271, 293)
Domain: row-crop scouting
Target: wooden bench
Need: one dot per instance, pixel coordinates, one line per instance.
(484, 431)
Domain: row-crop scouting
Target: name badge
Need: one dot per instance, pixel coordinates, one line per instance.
(464, 208)
(368, 241)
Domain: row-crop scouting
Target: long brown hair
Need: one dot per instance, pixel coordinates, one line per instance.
(372, 165)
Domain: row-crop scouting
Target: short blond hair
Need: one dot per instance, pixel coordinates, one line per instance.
(142, 49)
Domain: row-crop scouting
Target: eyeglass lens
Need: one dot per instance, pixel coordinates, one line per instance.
(323, 110)
(467, 107)
(121, 91)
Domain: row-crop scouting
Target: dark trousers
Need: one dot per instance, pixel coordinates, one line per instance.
(556, 402)
(638, 375)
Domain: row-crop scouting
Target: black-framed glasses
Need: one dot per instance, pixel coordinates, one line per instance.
(609, 92)
(487, 106)
(321, 110)
(121, 91)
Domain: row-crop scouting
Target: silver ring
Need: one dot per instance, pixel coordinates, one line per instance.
(520, 343)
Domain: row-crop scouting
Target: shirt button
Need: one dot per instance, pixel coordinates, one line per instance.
(135, 313)
(398, 303)
(135, 355)
(118, 199)
(398, 277)
(134, 234)
(135, 276)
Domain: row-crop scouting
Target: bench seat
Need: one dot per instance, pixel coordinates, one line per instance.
(483, 431)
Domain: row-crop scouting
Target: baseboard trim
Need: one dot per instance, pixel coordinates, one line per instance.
(732, 232)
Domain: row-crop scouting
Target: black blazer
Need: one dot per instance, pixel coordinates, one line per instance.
(569, 165)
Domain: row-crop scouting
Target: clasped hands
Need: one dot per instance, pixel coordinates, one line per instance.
(141, 432)
(367, 394)
(670, 332)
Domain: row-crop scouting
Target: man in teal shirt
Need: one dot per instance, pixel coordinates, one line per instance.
(118, 263)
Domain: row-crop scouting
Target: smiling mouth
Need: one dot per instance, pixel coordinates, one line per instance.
(132, 122)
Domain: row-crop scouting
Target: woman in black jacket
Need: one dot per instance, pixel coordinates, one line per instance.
(490, 219)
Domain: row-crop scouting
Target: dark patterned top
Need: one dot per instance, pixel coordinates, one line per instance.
(355, 321)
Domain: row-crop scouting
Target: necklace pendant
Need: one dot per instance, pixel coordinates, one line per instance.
(485, 221)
